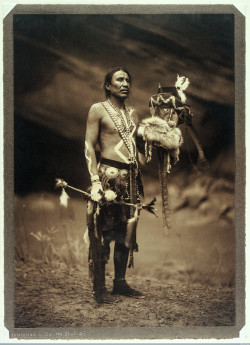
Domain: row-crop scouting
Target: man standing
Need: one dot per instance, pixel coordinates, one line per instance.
(113, 126)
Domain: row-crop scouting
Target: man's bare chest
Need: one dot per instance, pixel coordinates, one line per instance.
(107, 124)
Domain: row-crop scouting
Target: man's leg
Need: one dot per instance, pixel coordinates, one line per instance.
(121, 253)
(108, 236)
(120, 260)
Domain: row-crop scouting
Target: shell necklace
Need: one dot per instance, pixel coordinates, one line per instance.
(124, 120)
(123, 128)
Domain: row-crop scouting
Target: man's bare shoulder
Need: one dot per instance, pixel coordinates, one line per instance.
(96, 110)
(96, 106)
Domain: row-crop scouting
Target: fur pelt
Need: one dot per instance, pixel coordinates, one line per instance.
(161, 133)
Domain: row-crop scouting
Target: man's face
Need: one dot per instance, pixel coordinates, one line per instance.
(120, 85)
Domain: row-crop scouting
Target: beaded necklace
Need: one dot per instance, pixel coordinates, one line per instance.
(126, 124)
(123, 128)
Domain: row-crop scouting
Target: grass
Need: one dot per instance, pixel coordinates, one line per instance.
(200, 248)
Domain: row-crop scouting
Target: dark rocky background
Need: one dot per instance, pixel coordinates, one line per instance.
(59, 65)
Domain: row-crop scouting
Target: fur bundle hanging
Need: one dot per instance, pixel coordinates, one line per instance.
(158, 132)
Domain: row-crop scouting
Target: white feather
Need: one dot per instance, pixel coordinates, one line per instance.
(185, 84)
(181, 85)
(86, 238)
(182, 96)
(64, 198)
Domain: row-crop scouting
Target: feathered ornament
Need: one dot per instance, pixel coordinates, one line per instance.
(181, 85)
(130, 240)
(168, 109)
(161, 131)
(64, 198)
(86, 238)
(60, 183)
(150, 207)
(109, 195)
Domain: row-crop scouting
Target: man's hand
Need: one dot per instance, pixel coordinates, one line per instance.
(96, 191)
(172, 124)
(141, 130)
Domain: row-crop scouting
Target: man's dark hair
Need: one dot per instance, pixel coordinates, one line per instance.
(109, 76)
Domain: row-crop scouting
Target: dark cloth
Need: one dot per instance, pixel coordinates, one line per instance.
(113, 218)
(116, 177)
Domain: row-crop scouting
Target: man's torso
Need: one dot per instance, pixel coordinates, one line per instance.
(112, 146)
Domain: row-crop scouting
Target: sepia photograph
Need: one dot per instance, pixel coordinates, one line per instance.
(127, 143)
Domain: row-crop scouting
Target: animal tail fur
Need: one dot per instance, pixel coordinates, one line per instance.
(163, 175)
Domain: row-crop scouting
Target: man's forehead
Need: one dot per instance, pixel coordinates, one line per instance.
(120, 74)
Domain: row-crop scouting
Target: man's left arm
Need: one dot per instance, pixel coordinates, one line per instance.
(140, 144)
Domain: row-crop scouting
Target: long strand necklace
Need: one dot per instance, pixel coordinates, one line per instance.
(123, 130)
(125, 120)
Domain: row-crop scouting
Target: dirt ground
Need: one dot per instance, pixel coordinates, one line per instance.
(188, 278)
(62, 297)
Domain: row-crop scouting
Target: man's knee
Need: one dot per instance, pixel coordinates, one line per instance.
(120, 249)
(106, 251)
(108, 236)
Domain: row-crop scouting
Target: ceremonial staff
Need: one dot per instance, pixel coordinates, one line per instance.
(60, 183)
(95, 237)
(168, 109)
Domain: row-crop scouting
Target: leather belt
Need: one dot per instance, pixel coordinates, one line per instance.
(112, 168)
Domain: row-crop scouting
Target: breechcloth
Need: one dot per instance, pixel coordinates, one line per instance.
(116, 176)
(112, 219)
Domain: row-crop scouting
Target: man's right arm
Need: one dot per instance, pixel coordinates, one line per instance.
(91, 138)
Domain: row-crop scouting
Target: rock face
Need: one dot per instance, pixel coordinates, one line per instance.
(59, 74)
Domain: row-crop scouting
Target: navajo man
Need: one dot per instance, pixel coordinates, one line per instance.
(113, 126)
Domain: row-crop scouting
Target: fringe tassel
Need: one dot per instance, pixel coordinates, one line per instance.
(105, 182)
